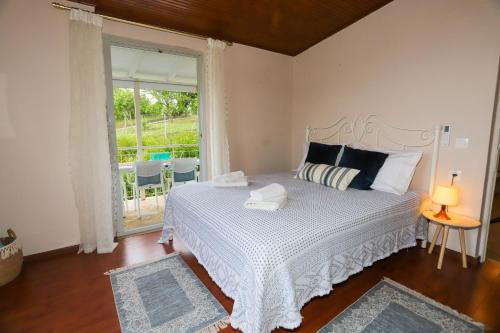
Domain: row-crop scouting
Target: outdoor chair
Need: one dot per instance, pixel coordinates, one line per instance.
(183, 171)
(148, 175)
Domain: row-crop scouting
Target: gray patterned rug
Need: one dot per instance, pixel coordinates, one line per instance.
(391, 307)
(165, 296)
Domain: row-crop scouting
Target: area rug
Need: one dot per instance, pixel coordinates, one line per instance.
(392, 307)
(165, 296)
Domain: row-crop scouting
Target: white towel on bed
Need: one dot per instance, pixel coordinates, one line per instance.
(269, 192)
(231, 179)
(240, 183)
(270, 204)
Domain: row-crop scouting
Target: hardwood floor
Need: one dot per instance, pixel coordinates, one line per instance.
(493, 250)
(70, 293)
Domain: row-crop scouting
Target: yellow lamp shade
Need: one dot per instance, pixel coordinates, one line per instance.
(445, 195)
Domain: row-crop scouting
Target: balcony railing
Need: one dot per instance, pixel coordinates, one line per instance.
(128, 155)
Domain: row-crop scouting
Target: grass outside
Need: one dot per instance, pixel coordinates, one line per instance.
(156, 132)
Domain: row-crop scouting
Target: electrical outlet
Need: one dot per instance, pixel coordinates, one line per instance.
(458, 174)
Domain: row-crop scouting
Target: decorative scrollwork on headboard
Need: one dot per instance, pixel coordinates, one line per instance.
(372, 131)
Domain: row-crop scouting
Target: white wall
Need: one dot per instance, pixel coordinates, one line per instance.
(258, 101)
(36, 197)
(35, 193)
(416, 63)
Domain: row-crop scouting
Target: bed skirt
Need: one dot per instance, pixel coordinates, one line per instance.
(318, 281)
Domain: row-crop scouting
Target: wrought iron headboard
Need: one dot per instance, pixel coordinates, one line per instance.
(373, 131)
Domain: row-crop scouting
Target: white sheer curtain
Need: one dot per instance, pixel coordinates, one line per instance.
(215, 132)
(89, 146)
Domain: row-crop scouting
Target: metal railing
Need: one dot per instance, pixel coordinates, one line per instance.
(128, 155)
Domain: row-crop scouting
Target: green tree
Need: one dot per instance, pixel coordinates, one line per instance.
(146, 106)
(124, 103)
(176, 104)
(187, 103)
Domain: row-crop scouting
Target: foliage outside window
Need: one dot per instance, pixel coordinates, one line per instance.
(168, 118)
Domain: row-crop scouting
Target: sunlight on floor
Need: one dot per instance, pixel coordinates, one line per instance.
(150, 213)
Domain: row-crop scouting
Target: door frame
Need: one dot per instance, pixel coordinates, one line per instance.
(491, 174)
(110, 40)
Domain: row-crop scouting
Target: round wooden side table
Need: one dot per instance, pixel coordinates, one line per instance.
(457, 221)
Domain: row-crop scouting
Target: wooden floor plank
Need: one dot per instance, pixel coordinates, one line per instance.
(70, 293)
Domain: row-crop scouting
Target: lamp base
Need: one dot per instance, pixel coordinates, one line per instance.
(442, 214)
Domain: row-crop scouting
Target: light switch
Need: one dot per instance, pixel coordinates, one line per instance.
(462, 143)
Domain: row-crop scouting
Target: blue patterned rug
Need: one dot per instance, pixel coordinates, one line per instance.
(165, 296)
(391, 307)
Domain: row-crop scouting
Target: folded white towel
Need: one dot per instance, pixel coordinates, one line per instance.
(230, 177)
(243, 181)
(268, 192)
(274, 204)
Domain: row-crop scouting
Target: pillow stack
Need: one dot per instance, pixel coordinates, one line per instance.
(359, 168)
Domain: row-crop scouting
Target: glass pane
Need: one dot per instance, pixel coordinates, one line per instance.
(169, 124)
(126, 138)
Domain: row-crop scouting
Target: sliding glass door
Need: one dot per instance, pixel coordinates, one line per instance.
(155, 113)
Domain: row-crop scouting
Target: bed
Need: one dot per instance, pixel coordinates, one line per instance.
(272, 263)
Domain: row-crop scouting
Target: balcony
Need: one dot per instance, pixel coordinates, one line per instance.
(151, 214)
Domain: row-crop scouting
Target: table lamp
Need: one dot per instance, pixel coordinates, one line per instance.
(445, 195)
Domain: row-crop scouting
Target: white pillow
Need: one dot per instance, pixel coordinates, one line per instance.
(397, 172)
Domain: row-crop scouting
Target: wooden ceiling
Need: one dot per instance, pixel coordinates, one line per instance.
(284, 26)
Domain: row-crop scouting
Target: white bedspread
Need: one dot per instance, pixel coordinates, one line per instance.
(272, 263)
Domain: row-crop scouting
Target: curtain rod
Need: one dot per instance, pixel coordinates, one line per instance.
(154, 27)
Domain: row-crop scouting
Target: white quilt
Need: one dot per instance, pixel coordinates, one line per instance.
(272, 263)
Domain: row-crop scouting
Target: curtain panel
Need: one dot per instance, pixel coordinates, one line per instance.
(215, 131)
(90, 164)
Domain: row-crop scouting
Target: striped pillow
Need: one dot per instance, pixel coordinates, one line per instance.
(333, 176)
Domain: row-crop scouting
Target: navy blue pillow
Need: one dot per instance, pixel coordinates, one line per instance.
(320, 153)
(368, 162)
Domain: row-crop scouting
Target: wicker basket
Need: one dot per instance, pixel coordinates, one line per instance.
(11, 258)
